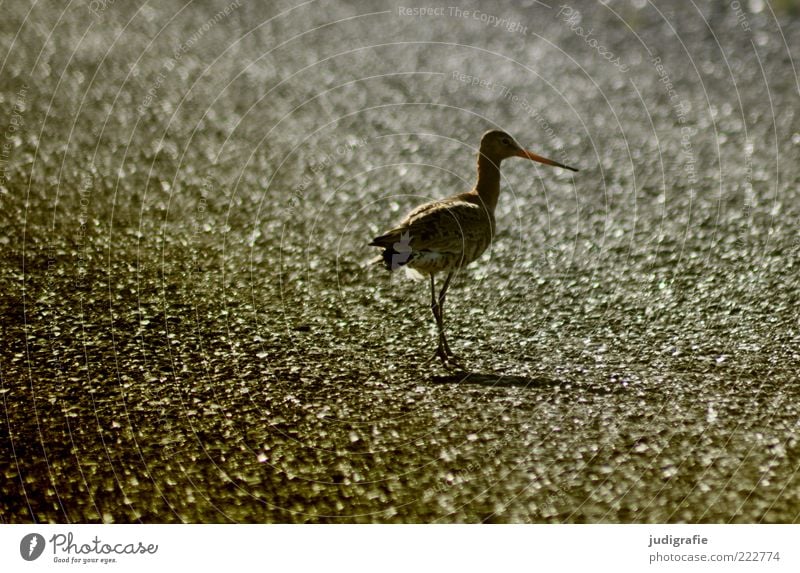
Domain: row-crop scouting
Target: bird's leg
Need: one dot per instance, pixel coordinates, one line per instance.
(442, 338)
(443, 351)
(436, 308)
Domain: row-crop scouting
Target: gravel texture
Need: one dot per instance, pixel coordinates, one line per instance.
(190, 332)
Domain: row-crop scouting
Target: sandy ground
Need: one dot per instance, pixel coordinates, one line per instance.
(189, 332)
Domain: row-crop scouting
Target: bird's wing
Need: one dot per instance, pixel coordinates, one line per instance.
(439, 226)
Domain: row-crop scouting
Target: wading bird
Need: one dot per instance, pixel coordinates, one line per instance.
(446, 235)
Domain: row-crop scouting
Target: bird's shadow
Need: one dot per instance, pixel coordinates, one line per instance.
(496, 380)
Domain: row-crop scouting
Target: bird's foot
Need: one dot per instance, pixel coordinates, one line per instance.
(447, 357)
(440, 354)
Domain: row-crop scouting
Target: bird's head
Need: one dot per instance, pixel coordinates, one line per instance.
(498, 145)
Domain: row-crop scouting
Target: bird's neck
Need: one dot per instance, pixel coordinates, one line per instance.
(488, 184)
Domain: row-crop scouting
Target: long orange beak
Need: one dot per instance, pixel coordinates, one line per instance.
(533, 157)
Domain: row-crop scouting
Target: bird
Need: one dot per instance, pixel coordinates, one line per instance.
(445, 235)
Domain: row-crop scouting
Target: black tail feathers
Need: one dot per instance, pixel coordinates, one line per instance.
(395, 254)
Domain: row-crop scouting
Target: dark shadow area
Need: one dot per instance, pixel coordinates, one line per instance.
(496, 380)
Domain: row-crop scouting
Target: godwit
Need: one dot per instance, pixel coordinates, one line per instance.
(446, 235)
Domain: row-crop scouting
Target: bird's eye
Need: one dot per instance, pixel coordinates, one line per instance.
(506, 141)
